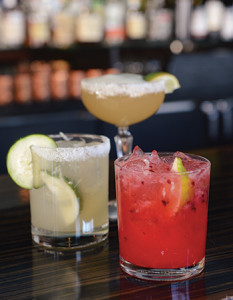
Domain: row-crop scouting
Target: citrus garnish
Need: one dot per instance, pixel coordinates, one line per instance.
(65, 197)
(171, 82)
(19, 158)
(187, 189)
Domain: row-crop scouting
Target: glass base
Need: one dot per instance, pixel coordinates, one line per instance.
(162, 274)
(68, 242)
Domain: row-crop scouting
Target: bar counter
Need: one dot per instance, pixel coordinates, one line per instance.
(28, 272)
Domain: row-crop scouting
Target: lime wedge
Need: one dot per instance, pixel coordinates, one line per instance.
(19, 158)
(65, 197)
(187, 190)
(171, 82)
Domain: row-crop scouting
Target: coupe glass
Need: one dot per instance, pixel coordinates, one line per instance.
(122, 100)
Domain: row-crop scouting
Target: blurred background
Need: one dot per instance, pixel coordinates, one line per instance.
(48, 46)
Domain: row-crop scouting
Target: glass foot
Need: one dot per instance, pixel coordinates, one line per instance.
(162, 274)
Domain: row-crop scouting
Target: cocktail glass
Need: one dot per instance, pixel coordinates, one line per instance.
(162, 215)
(122, 100)
(69, 201)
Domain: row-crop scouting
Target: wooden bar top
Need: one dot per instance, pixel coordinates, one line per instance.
(27, 272)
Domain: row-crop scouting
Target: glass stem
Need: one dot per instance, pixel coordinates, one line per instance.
(123, 141)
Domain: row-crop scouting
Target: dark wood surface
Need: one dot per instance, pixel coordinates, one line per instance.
(27, 272)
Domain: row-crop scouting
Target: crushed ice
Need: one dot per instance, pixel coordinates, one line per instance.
(140, 161)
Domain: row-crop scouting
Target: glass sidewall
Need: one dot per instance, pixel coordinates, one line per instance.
(133, 227)
(58, 222)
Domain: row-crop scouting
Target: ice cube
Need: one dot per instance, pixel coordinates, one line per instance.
(137, 161)
(137, 165)
(137, 152)
(183, 156)
(157, 163)
(154, 157)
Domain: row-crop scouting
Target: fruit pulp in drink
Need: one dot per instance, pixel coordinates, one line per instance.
(122, 99)
(72, 198)
(157, 230)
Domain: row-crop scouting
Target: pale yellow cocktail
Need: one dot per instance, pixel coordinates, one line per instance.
(122, 99)
(69, 201)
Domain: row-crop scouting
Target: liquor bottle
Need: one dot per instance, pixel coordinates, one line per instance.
(63, 25)
(114, 29)
(38, 27)
(160, 20)
(89, 23)
(214, 14)
(198, 23)
(136, 23)
(226, 32)
(12, 24)
(183, 10)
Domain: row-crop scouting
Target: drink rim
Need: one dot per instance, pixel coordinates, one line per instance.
(78, 152)
(108, 86)
(104, 139)
(118, 161)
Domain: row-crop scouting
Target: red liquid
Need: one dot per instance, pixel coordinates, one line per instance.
(153, 231)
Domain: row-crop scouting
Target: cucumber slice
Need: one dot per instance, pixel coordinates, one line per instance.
(65, 197)
(19, 158)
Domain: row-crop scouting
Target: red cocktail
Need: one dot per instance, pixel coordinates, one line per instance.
(162, 203)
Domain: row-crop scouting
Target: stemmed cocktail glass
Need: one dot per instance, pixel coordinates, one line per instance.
(122, 100)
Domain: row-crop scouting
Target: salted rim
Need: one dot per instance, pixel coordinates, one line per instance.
(118, 161)
(132, 85)
(68, 154)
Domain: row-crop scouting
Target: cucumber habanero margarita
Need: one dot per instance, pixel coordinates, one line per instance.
(67, 176)
(69, 200)
(162, 203)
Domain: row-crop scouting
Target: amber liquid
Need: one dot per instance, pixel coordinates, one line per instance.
(122, 110)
